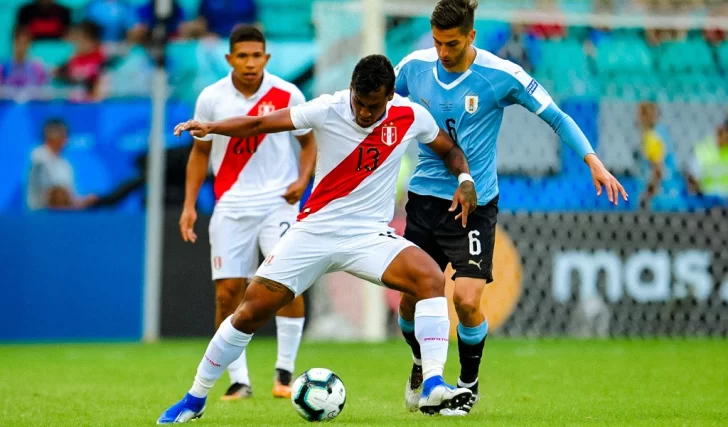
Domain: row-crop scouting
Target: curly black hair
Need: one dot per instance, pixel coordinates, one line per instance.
(371, 73)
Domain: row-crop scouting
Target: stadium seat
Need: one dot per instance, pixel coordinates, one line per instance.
(723, 56)
(287, 19)
(7, 18)
(74, 4)
(52, 53)
(560, 57)
(191, 7)
(624, 55)
(691, 56)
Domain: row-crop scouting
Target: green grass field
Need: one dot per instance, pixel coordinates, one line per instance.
(551, 383)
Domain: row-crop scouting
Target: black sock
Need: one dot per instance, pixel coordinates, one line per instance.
(470, 356)
(284, 376)
(414, 345)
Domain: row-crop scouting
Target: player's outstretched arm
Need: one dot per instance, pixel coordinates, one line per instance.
(241, 127)
(195, 177)
(457, 164)
(569, 131)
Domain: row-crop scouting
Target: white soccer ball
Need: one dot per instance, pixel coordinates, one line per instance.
(318, 395)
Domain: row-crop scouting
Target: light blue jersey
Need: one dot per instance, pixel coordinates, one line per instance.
(469, 106)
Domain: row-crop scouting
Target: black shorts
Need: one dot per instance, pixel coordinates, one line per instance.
(434, 229)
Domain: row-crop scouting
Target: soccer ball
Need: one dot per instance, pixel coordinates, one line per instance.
(318, 395)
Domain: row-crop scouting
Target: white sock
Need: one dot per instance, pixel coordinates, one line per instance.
(238, 370)
(289, 332)
(226, 346)
(432, 330)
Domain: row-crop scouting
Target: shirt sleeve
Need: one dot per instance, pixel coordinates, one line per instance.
(518, 87)
(567, 129)
(312, 114)
(297, 98)
(425, 125)
(204, 113)
(400, 82)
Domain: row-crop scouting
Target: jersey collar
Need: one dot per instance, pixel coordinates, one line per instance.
(439, 70)
(352, 118)
(262, 90)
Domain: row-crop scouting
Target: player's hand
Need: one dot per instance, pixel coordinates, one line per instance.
(187, 224)
(602, 177)
(195, 128)
(467, 198)
(295, 191)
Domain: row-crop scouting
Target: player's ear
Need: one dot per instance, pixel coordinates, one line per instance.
(267, 58)
(471, 37)
(229, 58)
(391, 95)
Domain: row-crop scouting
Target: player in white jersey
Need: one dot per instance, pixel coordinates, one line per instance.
(362, 134)
(257, 188)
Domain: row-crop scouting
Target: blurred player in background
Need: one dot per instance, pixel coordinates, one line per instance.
(362, 134)
(257, 189)
(466, 90)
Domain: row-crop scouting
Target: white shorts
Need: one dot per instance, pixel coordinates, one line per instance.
(234, 241)
(301, 257)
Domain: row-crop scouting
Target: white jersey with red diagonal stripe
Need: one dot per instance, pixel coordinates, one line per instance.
(251, 174)
(357, 168)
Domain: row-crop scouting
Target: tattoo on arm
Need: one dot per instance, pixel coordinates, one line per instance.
(271, 285)
(456, 162)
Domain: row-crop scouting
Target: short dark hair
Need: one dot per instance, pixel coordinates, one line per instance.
(450, 14)
(91, 30)
(54, 124)
(246, 33)
(371, 73)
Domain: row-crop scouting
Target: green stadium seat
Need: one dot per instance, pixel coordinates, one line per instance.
(52, 53)
(560, 57)
(723, 56)
(287, 19)
(624, 55)
(7, 20)
(691, 56)
(74, 4)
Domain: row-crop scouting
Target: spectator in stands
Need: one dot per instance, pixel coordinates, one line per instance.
(176, 26)
(515, 47)
(20, 72)
(220, 16)
(83, 71)
(664, 189)
(709, 169)
(44, 19)
(115, 17)
(51, 183)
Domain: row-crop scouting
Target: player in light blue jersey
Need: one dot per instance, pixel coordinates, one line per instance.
(466, 90)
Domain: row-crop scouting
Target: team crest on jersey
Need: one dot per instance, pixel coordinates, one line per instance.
(266, 108)
(471, 103)
(389, 134)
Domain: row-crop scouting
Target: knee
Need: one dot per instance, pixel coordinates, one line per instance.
(248, 319)
(467, 306)
(227, 292)
(430, 283)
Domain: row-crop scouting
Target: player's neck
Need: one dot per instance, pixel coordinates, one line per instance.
(247, 89)
(465, 64)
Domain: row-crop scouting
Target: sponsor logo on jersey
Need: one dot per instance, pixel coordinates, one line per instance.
(389, 134)
(266, 108)
(531, 88)
(471, 103)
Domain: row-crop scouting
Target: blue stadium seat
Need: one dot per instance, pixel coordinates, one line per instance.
(191, 7)
(52, 53)
(560, 57)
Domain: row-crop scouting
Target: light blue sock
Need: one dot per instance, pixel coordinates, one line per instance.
(473, 335)
(407, 326)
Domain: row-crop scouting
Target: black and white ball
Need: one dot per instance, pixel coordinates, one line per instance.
(318, 395)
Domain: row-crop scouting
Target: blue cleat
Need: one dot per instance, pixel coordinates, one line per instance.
(436, 396)
(188, 409)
